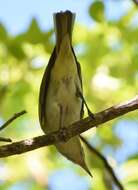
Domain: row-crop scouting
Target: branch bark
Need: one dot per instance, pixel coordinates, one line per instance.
(105, 162)
(6, 124)
(136, 2)
(70, 131)
(3, 139)
(10, 120)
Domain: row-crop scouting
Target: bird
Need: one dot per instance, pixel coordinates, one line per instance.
(61, 100)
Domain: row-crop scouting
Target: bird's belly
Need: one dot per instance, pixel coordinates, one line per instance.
(62, 99)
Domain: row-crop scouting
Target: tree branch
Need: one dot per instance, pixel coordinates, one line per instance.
(70, 131)
(105, 162)
(15, 116)
(135, 1)
(5, 139)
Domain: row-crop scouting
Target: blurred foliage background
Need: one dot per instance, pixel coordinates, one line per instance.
(108, 52)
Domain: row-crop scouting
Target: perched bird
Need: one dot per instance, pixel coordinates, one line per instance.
(61, 100)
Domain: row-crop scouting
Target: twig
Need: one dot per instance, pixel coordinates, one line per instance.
(135, 1)
(15, 116)
(107, 166)
(5, 139)
(70, 131)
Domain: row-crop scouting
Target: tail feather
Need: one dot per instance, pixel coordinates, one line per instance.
(63, 22)
(86, 169)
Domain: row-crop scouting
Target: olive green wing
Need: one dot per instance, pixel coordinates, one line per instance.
(80, 77)
(44, 88)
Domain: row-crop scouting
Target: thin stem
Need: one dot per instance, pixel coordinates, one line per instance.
(5, 139)
(10, 120)
(106, 164)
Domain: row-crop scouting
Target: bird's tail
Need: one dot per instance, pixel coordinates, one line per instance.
(63, 22)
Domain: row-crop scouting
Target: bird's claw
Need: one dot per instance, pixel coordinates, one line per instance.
(63, 134)
(91, 115)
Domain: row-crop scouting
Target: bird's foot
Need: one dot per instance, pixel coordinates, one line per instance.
(91, 115)
(63, 134)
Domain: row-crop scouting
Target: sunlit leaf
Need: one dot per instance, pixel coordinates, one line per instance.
(3, 33)
(96, 10)
(16, 50)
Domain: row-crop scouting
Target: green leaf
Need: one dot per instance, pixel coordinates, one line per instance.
(33, 34)
(3, 33)
(96, 11)
(133, 157)
(16, 50)
(133, 184)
